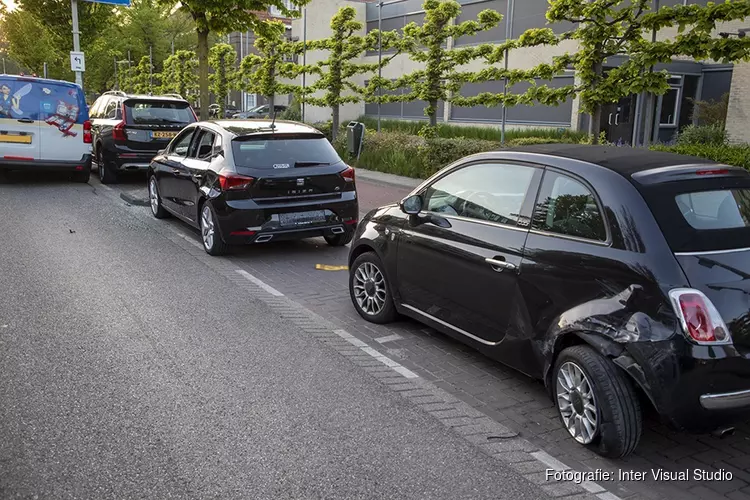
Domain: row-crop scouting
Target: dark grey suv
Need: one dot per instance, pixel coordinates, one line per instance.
(129, 130)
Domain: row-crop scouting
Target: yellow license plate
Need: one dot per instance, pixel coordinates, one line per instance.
(163, 135)
(16, 139)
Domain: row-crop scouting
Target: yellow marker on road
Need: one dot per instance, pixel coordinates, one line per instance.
(326, 267)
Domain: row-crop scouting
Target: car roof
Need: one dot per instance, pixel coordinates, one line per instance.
(150, 97)
(625, 160)
(250, 127)
(29, 78)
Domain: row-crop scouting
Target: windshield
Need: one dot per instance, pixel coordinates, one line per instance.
(281, 152)
(159, 112)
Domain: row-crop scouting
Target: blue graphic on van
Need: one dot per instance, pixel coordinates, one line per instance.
(10, 104)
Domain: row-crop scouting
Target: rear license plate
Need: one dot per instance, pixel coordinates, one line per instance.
(302, 218)
(163, 135)
(16, 139)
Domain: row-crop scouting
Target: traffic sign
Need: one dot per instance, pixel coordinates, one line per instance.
(77, 61)
(113, 2)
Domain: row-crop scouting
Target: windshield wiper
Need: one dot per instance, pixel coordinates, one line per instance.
(311, 164)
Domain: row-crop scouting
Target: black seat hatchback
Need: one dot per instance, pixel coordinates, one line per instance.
(255, 181)
(618, 276)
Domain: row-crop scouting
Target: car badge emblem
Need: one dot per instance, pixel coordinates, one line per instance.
(281, 165)
(300, 182)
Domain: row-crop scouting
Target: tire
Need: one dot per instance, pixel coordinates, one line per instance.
(618, 417)
(341, 239)
(154, 198)
(107, 174)
(368, 265)
(214, 245)
(82, 176)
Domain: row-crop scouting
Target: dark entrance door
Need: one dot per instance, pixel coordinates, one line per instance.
(618, 120)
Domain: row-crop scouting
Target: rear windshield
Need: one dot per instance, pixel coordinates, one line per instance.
(42, 100)
(281, 152)
(703, 215)
(159, 112)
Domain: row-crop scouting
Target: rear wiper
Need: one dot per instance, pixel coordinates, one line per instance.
(310, 164)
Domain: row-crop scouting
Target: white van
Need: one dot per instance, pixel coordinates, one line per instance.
(44, 125)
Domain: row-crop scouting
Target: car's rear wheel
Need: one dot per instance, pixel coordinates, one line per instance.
(597, 403)
(341, 239)
(369, 289)
(107, 173)
(212, 242)
(154, 199)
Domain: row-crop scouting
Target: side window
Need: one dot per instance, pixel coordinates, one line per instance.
(96, 107)
(218, 145)
(181, 143)
(491, 192)
(203, 147)
(566, 206)
(111, 110)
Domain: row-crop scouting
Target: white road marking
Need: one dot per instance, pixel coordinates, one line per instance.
(188, 239)
(405, 372)
(389, 338)
(589, 486)
(260, 283)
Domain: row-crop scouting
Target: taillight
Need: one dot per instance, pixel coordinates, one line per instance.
(118, 133)
(715, 171)
(700, 320)
(233, 182)
(87, 132)
(347, 174)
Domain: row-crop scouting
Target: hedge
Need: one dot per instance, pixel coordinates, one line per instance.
(738, 155)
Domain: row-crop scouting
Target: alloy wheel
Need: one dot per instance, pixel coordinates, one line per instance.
(577, 403)
(369, 288)
(153, 195)
(207, 227)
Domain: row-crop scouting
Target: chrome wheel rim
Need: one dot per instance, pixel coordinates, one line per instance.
(369, 288)
(207, 228)
(576, 403)
(153, 195)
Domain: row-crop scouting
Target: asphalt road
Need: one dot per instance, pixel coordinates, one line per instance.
(129, 369)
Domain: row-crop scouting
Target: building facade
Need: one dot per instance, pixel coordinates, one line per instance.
(622, 122)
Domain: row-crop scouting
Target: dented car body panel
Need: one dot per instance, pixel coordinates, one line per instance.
(557, 290)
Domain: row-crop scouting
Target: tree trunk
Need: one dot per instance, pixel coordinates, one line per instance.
(335, 122)
(433, 115)
(595, 123)
(203, 72)
(271, 106)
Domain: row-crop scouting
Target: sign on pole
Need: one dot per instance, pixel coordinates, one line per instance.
(77, 61)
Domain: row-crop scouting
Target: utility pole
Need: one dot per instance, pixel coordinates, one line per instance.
(172, 46)
(4, 66)
(128, 59)
(117, 82)
(304, 59)
(380, 57)
(45, 70)
(150, 69)
(76, 40)
(508, 36)
(650, 103)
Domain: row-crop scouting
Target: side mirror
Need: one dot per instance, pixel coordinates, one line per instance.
(411, 205)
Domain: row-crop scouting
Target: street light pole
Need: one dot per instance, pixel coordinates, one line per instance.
(508, 36)
(304, 59)
(380, 58)
(76, 40)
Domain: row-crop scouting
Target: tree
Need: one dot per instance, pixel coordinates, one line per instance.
(31, 44)
(224, 16)
(608, 28)
(334, 73)
(141, 79)
(179, 74)
(222, 57)
(260, 73)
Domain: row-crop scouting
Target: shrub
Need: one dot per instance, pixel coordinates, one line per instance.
(738, 156)
(703, 134)
(439, 152)
(293, 112)
(325, 128)
(390, 152)
(530, 141)
(711, 112)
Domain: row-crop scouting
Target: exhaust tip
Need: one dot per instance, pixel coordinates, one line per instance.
(263, 238)
(723, 432)
(337, 230)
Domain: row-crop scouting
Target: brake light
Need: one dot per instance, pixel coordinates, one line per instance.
(347, 174)
(118, 133)
(87, 132)
(716, 171)
(700, 320)
(233, 182)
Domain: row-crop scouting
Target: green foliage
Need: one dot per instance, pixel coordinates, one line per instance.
(260, 73)
(703, 134)
(293, 112)
(141, 78)
(221, 58)
(738, 156)
(711, 112)
(179, 74)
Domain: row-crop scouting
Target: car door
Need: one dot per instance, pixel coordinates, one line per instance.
(192, 171)
(20, 124)
(458, 260)
(169, 167)
(63, 113)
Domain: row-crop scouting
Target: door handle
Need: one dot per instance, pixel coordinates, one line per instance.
(26, 120)
(499, 265)
(617, 119)
(610, 118)
(175, 170)
(197, 177)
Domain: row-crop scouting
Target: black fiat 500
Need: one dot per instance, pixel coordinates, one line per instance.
(618, 276)
(252, 181)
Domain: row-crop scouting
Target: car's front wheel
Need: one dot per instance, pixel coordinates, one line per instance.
(212, 242)
(596, 402)
(369, 289)
(154, 199)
